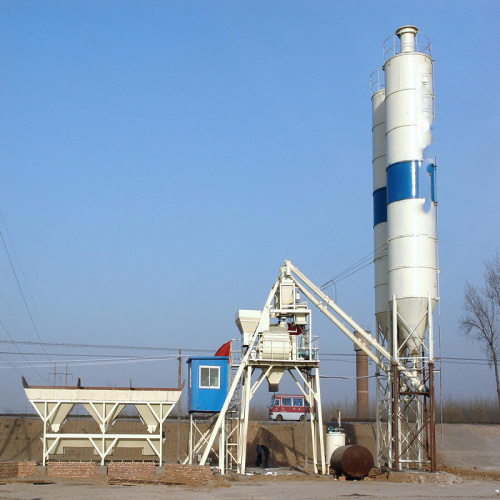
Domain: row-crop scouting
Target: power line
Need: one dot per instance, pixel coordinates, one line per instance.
(21, 291)
(12, 341)
(327, 357)
(19, 350)
(357, 266)
(69, 354)
(24, 276)
(100, 346)
(103, 362)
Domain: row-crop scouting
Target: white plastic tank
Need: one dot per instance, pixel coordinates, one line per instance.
(335, 438)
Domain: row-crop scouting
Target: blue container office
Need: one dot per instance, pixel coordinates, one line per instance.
(208, 383)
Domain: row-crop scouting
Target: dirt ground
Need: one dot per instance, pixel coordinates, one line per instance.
(286, 485)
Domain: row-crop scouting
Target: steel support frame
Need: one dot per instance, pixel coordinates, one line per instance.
(413, 408)
(199, 437)
(99, 441)
(384, 408)
(242, 381)
(303, 376)
(237, 380)
(395, 434)
(402, 394)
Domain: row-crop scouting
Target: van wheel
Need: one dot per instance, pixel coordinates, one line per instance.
(279, 418)
(301, 418)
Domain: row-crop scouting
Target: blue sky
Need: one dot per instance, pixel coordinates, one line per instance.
(160, 160)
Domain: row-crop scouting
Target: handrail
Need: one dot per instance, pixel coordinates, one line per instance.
(392, 45)
(377, 80)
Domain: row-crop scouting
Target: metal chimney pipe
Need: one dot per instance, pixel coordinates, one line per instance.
(406, 36)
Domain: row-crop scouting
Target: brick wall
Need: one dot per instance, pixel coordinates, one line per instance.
(26, 469)
(70, 469)
(17, 469)
(131, 470)
(8, 469)
(188, 473)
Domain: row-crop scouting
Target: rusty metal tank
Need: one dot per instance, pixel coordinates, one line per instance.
(352, 460)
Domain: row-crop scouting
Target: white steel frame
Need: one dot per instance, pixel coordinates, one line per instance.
(405, 433)
(303, 371)
(399, 442)
(104, 412)
(413, 419)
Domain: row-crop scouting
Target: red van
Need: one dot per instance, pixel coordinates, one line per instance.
(288, 407)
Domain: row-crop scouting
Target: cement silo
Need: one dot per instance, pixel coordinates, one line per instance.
(411, 204)
(379, 203)
(405, 247)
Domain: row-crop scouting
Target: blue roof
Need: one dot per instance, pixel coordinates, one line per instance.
(206, 357)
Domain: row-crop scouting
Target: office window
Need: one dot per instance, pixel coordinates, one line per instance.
(209, 377)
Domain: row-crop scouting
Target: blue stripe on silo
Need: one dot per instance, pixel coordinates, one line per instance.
(379, 206)
(402, 181)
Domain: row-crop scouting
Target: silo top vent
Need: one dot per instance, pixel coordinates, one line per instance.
(406, 40)
(406, 36)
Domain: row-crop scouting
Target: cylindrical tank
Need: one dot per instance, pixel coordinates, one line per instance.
(411, 207)
(353, 461)
(334, 440)
(379, 204)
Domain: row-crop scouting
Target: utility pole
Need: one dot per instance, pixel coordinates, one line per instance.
(179, 376)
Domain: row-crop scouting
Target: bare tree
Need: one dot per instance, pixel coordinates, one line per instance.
(481, 319)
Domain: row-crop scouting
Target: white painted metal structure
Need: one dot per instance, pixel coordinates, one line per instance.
(299, 357)
(277, 339)
(53, 404)
(406, 275)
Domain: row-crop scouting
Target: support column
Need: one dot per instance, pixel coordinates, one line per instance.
(44, 432)
(396, 441)
(313, 422)
(320, 423)
(378, 422)
(432, 418)
(245, 405)
(222, 450)
(103, 428)
(160, 425)
(190, 449)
